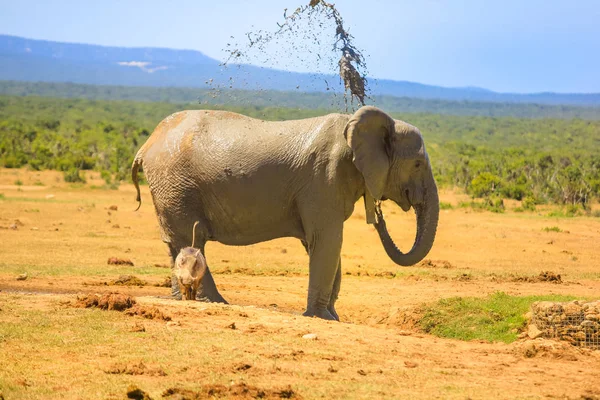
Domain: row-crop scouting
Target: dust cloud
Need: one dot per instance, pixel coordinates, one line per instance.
(312, 37)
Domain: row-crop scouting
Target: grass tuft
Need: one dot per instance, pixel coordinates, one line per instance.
(495, 318)
(552, 229)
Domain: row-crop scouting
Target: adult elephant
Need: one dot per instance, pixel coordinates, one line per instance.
(248, 181)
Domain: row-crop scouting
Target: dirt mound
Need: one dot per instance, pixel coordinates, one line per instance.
(544, 276)
(107, 301)
(166, 282)
(134, 392)
(119, 261)
(128, 280)
(135, 369)
(435, 264)
(405, 318)
(236, 391)
(547, 349)
(149, 312)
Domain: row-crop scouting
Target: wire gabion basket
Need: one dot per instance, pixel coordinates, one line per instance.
(577, 322)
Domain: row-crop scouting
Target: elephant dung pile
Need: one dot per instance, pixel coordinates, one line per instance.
(576, 322)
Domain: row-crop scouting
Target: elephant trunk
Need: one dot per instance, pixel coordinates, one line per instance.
(427, 220)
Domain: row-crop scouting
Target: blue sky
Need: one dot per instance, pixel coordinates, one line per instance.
(505, 45)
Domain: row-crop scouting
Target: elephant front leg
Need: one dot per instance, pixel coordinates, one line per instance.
(325, 250)
(335, 291)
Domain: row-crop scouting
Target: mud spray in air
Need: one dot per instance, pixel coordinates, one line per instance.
(314, 38)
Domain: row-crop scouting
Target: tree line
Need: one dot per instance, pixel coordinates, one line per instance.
(536, 161)
(220, 96)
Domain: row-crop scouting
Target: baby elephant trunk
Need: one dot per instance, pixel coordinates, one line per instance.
(190, 267)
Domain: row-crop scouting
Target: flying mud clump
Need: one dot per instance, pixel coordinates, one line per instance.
(299, 38)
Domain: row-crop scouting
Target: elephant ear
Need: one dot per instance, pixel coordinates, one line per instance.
(368, 135)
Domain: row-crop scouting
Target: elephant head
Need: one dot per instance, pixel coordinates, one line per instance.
(392, 159)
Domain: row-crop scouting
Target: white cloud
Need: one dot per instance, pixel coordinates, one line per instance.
(143, 65)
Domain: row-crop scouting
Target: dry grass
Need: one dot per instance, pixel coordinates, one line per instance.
(66, 234)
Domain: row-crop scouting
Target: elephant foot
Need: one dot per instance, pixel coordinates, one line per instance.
(322, 313)
(208, 291)
(332, 311)
(211, 299)
(175, 292)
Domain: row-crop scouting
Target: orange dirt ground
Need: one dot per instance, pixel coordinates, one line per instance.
(62, 236)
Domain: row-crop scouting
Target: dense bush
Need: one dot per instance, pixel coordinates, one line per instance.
(536, 161)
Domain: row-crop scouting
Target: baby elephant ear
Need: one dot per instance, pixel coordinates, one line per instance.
(368, 133)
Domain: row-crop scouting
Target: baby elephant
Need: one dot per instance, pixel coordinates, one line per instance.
(190, 267)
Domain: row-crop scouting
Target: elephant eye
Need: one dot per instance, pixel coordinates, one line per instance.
(417, 164)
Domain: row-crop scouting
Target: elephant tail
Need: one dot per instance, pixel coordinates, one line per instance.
(137, 163)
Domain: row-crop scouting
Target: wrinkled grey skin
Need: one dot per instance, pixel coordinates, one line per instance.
(249, 181)
(189, 269)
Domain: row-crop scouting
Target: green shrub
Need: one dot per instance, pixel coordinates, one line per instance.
(484, 184)
(513, 191)
(73, 175)
(494, 205)
(107, 176)
(529, 203)
(445, 206)
(574, 210)
(35, 164)
(488, 204)
(12, 161)
(65, 165)
(19, 182)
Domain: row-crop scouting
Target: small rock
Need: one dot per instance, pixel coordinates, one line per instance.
(361, 372)
(410, 364)
(231, 326)
(242, 367)
(116, 226)
(173, 324)
(35, 228)
(332, 370)
(22, 277)
(113, 208)
(49, 196)
(310, 336)
(522, 335)
(13, 227)
(533, 332)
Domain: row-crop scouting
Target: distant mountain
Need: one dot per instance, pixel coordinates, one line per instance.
(32, 60)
